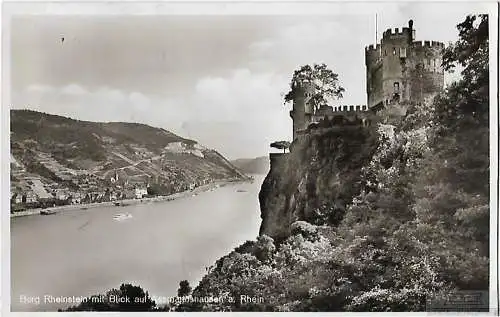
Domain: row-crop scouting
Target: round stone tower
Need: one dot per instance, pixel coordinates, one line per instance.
(302, 111)
(400, 69)
(426, 75)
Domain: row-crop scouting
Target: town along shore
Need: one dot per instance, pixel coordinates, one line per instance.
(129, 202)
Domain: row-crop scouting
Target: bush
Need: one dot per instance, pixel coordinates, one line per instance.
(127, 298)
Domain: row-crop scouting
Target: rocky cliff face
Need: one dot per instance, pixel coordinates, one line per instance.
(317, 179)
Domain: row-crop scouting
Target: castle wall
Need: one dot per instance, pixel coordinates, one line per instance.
(374, 84)
(342, 114)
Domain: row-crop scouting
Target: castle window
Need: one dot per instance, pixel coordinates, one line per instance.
(396, 87)
(364, 107)
(393, 51)
(351, 108)
(345, 108)
(402, 52)
(385, 52)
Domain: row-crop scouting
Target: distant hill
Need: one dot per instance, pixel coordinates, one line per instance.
(258, 165)
(62, 150)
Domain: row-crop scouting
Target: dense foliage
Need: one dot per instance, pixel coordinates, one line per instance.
(325, 81)
(127, 298)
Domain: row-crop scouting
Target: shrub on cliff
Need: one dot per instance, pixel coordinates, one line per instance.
(264, 248)
(127, 298)
(184, 289)
(281, 145)
(305, 229)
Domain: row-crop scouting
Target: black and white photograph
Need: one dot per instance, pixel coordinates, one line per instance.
(250, 157)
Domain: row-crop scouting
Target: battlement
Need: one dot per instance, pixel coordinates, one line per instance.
(307, 89)
(329, 110)
(354, 108)
(372, 48)
(434, 44)
(396, 31)
(306, 85)
(372, 54)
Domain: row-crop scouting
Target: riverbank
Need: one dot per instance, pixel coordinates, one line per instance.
(135, 201)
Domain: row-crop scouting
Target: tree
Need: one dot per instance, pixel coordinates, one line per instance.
(467, 99)
(325, 81)
(125, 299)
(281, 145)
(451, 190)
(462, 111)
(184, 289)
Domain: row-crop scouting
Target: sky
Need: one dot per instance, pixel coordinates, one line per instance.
(218, 79)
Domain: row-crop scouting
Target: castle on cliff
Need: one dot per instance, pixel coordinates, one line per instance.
(399, 71)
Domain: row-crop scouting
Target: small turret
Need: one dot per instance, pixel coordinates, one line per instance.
(302, 110)
(412, 34)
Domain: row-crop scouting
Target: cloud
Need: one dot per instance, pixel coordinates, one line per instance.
(113, 95)
(139, 101)
(38, 88)
(318, 40)
(73, 89)
(240, 113)
(101, 104)
(242, 93)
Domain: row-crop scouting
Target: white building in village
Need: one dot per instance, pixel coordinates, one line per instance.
(140, 192)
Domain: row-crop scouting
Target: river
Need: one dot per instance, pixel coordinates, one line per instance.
(154, 245)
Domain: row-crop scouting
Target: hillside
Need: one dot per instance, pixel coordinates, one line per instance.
(82, 157)
(258, 165)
